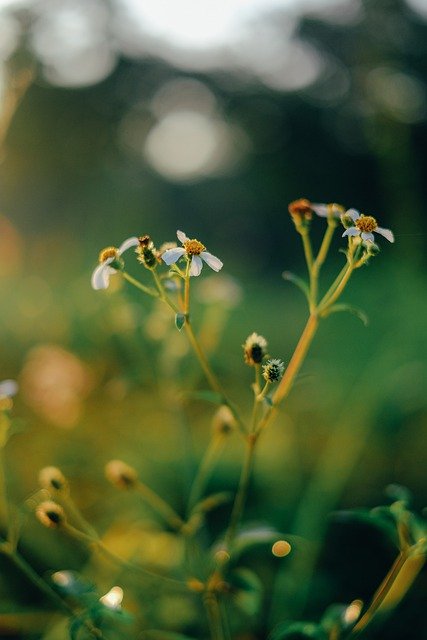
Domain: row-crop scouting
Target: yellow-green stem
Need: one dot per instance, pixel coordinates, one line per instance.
(139, 285)
(210, 457)
(324, 247)
(160, 506)
(325, 304)
(4, 504)
(239, 502)
(29, 572)
(96, 543)
(214, 616)
(214, 383)
(297, 359)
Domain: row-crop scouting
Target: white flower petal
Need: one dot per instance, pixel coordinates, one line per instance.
(352, 231)
(127, 244)
(196, 266)
(367, 237)
(386, 233)
(214, 262)
(8, 388)
(353, 214)
(181, 236)
(101, 275)
(320, 209)
(172, 255)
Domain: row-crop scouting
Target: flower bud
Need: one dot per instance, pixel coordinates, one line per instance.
(255, 349)
(120, 474)
(223, 420)
(301, 211)
(50, 514)
(147, 254)
(52, 479)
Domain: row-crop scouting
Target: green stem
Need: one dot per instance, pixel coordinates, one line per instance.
(239, 502)
(212, 379)
(4, 504)
(324, 247)
(214, 616)
(162, 293)
(139, 285)
(29, 572)
(380, 594)
(95, 542)
(308, 252)
(318, 262)
(160, 506)
(205, 469)
(327, 302)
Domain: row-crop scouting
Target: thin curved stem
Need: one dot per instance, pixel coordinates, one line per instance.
(139, 285)
(240, 500)
(205, 469)
(212, 379)
(160, 506)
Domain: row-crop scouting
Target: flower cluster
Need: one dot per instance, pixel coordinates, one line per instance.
(355, 223)
(110, 259)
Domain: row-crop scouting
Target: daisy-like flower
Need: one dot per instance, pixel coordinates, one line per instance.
(364, 226)
(331, 210)
(101, 275)
(195, 251)
(8, 389)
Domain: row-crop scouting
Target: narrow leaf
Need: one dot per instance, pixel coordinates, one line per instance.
(179, 320)
(248, 594)
(298, 282)
(348, 307)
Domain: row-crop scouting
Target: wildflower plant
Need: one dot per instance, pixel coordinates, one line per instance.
(213, 573)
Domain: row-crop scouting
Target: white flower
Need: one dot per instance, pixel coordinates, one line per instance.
(8, 388)
(332, 210)
(195, 251)
(101, 275)
(365, 226)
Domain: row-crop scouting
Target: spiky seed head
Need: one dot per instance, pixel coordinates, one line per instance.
(273, 370)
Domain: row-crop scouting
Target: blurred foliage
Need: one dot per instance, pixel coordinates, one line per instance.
(90, 365)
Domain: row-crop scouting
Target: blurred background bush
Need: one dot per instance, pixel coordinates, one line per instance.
(143, 117)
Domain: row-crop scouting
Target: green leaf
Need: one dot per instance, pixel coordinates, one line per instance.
(248, 594)
(298, 282)
(209, 396)
(336, 308)
(251, 537)
(179, 320)
(298, 631)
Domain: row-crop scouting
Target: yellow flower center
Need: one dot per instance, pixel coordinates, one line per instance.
(366, 224)
(109, 252)
(6, 403)
(193, 247)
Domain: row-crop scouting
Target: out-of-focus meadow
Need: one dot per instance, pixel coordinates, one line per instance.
(119, 132)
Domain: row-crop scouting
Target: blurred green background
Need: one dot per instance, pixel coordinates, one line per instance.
(121, 133)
